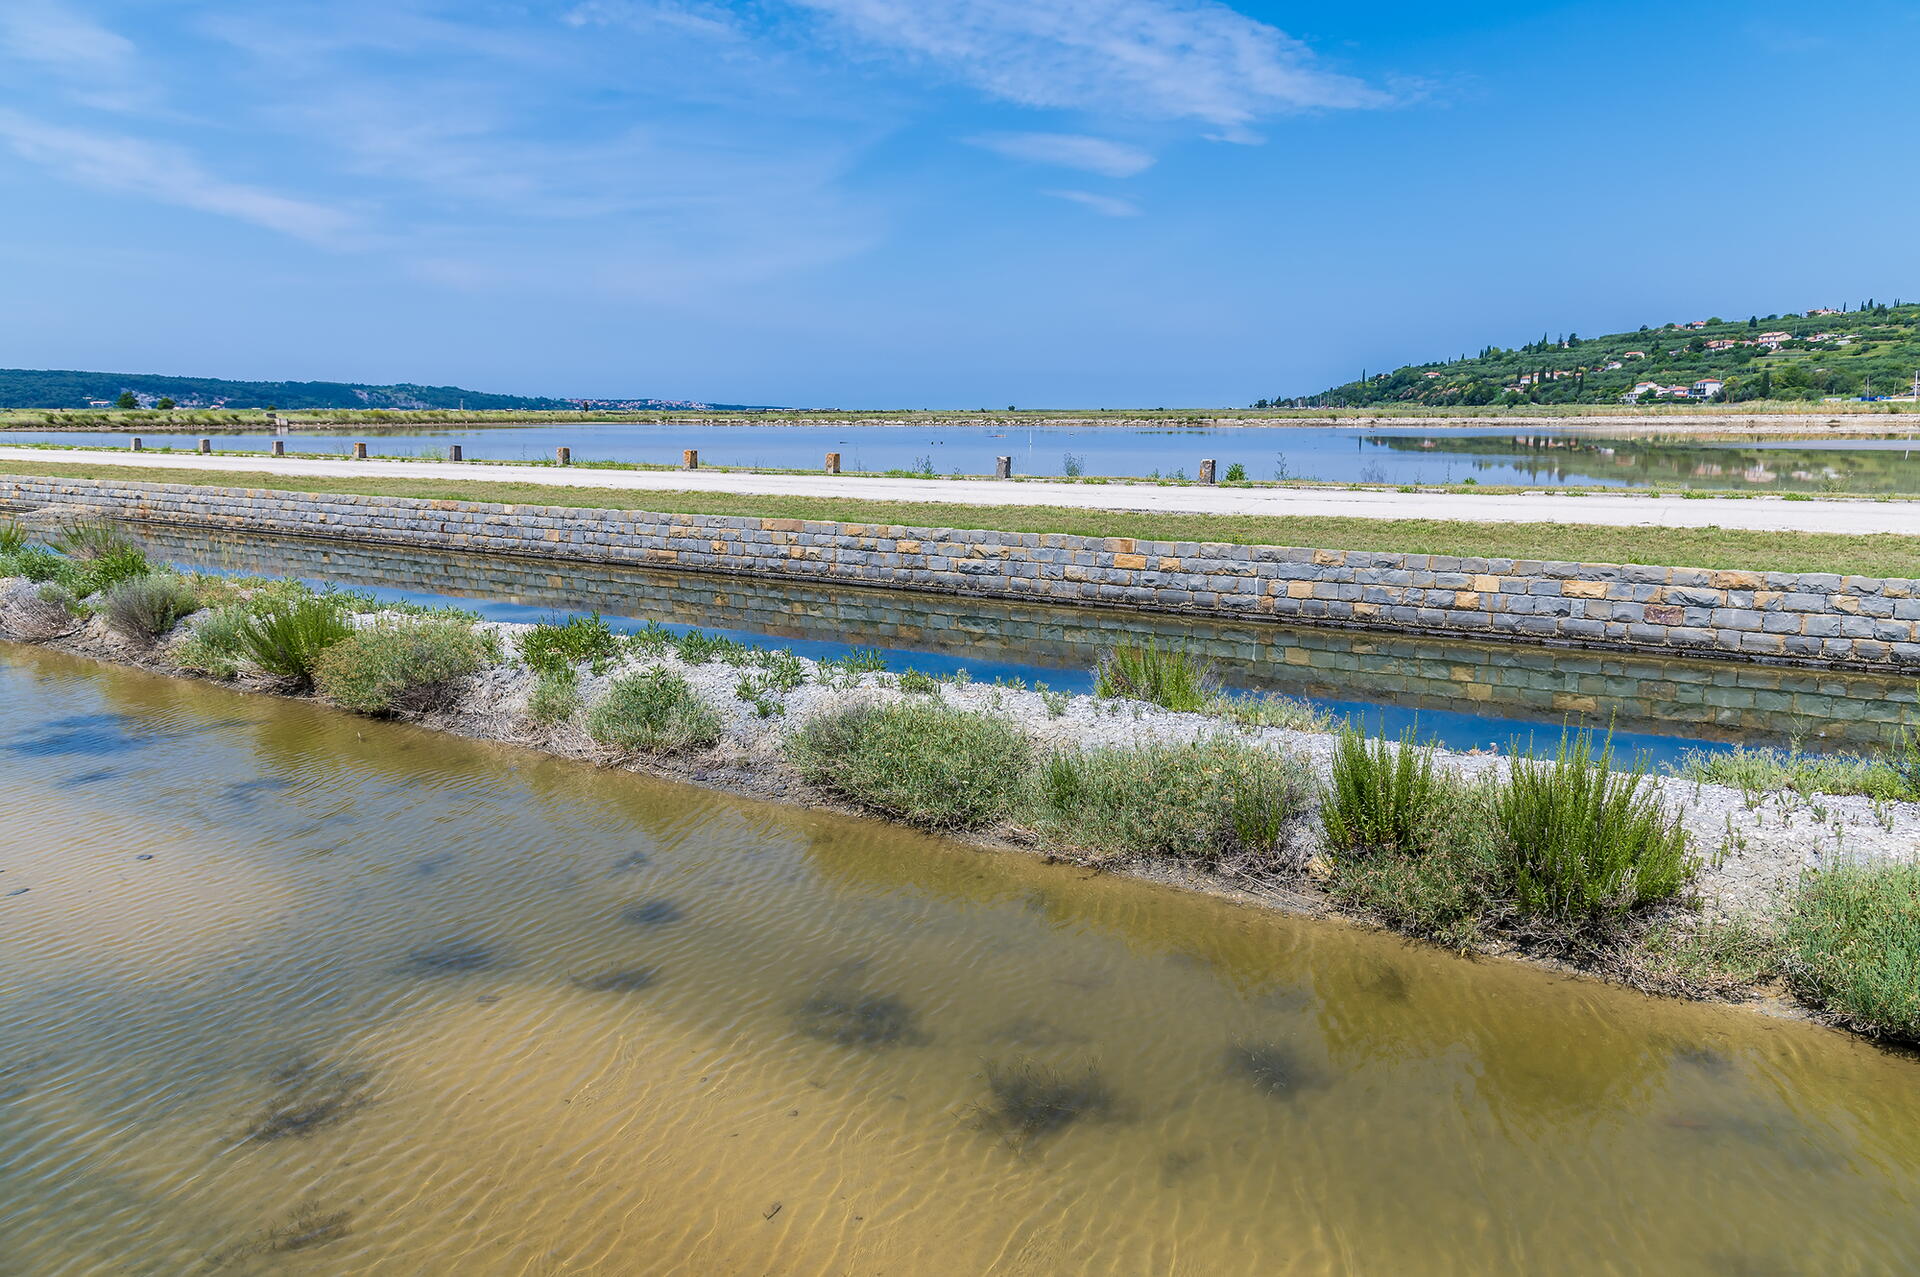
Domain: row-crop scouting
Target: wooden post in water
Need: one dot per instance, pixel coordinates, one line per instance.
(563, 456)
(833, 463)
(1003, 467)
(454, 453)
(690, 459)
(279, 447)
(206, 446)
(1206, 470)
(359, 452)
(136, 443)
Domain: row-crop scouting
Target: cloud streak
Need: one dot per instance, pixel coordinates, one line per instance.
(1105, 205)
(167, 174)
(1186, 60)
(1069, 150)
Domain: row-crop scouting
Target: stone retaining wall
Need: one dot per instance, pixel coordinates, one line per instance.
(1819, 618)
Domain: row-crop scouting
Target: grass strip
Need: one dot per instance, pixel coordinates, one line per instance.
(1878, 555)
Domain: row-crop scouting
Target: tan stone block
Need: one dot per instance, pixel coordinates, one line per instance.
(1130, 562)
(1299, 589)
(1327, 558)
(1765, 598)
(1299, 656)
(1584, 589)
(1845, 603)
(1120, 545)
(1479, 691)
(1571, 701)
(1466, 599)
(1735, 580)
(1486, 584)
(909, 547)
(781, 525)
(1169, 564)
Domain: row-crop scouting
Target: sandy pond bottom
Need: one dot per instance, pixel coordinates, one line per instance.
(291, 991)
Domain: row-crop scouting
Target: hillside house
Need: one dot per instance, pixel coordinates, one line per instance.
(1706, 388)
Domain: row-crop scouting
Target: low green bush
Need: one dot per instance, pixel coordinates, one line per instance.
(1216, 802)
(1383, 796)
(653, 711)
(1852, 946)
(917, 761)
(146, 607)
(1170, 677)
(107, 569)
(1447, 892)
(549, 648)
(215, 644)
(1583, 844)
(555, 697)
(286, 636)
(400, 664)
(34, 562)
(13, 537)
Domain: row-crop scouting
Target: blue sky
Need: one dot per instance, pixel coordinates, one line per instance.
(944, 203)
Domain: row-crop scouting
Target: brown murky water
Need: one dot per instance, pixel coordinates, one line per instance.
(289, 991)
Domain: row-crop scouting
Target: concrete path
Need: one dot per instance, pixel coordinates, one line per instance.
(1770, 514)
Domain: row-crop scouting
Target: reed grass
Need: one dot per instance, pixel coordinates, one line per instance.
(1584, 844)
(1767, 771)
(287, 636)
(1382, 796)
(1171, 676)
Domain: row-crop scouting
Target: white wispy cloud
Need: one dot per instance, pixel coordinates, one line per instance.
(54, 35)
(166, 173)
(1105, 205)
(1070, 150)
(1192, 60)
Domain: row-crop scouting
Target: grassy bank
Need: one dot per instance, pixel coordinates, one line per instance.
(1879, 555)
(1566, 856)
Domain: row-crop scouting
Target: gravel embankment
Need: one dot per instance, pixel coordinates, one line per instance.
(1755, 849)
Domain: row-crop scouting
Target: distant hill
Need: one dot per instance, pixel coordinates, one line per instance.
(1826, 353)
(44, 388)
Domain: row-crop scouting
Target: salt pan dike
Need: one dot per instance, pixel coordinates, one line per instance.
(1758, 514)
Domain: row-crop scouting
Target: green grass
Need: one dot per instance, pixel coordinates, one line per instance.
(655, 712)
(1767, 771)
(1852, 946)
(917, 761)
(1722, 958)
(1583, 844)
(1170, 677)
(1217, 803)
(396, 665)
(1878, 555)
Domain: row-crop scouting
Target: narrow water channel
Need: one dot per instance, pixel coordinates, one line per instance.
(290, 991)
(1464, 694)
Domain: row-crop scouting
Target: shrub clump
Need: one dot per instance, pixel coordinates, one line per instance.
(653, 711)
(1765, 771)
(916, 760)
(548, 648)
(1852, 947)
(1219, 802)
(1382, 796)
(146, 607)
(288, 635)
(555, 697)
(1583, 844)
(1170, 677)
(395, 665)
